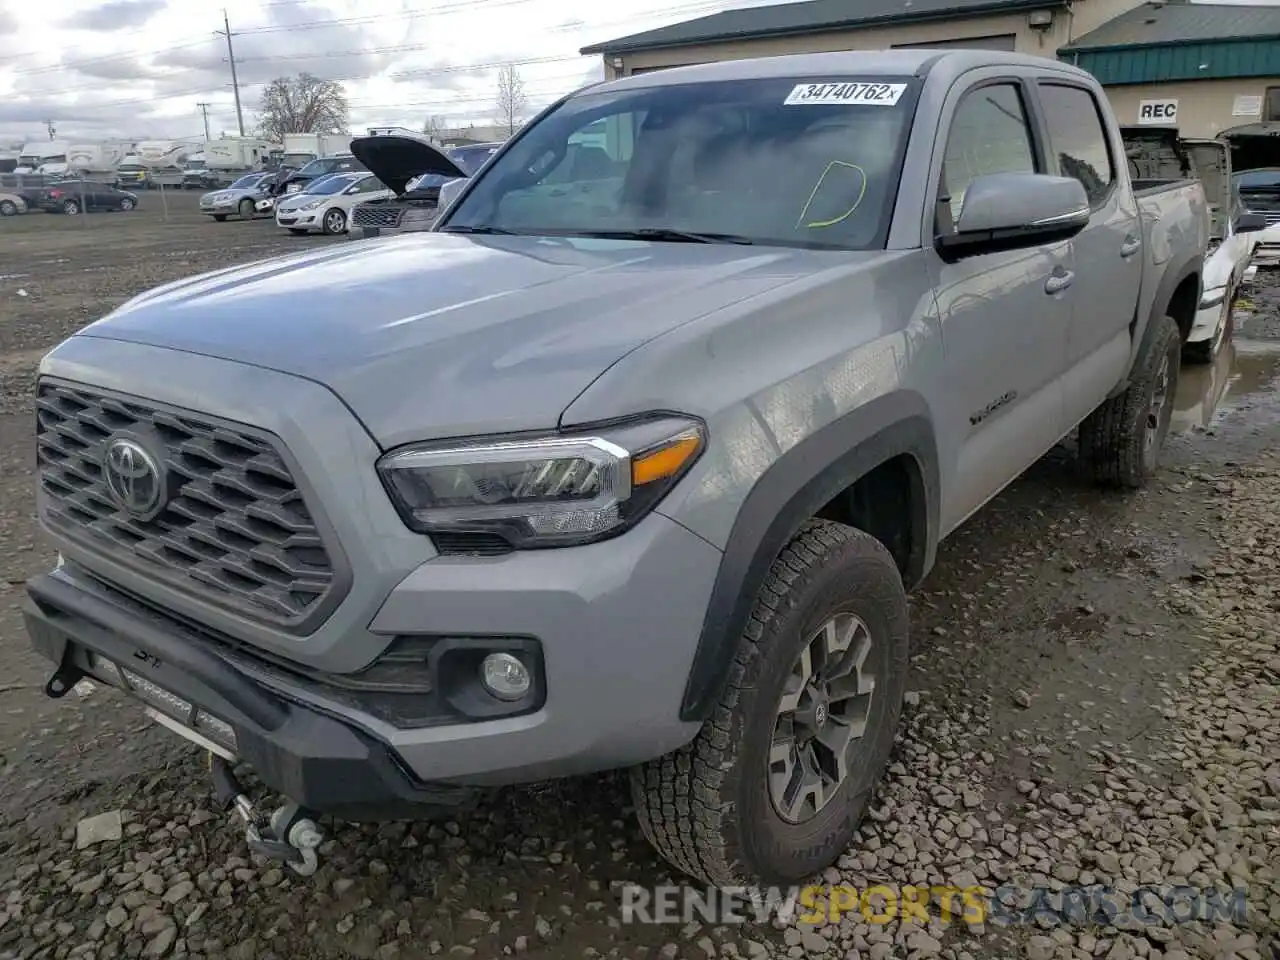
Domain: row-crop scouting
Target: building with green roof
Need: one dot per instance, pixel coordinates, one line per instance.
(1200, 66)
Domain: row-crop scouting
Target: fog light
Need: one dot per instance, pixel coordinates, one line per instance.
(505, 676)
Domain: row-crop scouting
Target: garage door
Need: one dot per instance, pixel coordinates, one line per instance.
(1003, 41)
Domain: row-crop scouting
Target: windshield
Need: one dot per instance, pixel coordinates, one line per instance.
(296, 159)
(773, 161)
(131, 167)
(56, 158)
(247, 182)
(471, 159)
(317, 167)
(331, 185)
(195, 164)
(1258, 180)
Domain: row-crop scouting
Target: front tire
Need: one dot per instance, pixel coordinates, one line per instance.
(1120, 441)
(334, 222)
(246, 209)
(70, 208)
(760, 795)
(8, 208)
(126, 204)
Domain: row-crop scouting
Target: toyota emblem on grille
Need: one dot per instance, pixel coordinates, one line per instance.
(133, 476)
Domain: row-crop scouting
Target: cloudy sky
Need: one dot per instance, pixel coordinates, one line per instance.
(138, 68)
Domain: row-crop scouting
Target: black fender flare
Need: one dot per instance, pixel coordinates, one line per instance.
(1173, 279)
(791, 490)
(1142, 327)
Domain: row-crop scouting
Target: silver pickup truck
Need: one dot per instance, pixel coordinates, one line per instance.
(626, 470)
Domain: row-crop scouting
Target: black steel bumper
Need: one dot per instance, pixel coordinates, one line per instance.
(309, 756)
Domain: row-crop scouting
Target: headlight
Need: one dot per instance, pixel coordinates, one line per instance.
(546, 491)
(309, 205)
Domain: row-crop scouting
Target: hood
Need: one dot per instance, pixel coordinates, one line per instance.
(238, 192)
(398, 158)
(431, 335)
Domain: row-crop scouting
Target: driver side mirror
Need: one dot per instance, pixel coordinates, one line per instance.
(1251, 223)
(1010, 211)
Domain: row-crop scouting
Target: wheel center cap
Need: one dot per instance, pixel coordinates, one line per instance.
(820, 715)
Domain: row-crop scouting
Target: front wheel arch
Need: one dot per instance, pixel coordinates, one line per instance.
(803, 484)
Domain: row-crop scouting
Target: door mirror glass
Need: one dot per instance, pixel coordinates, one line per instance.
(1006, 211)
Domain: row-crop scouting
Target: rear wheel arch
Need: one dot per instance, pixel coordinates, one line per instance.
(882, 455)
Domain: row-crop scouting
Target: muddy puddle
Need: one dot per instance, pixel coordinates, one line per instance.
(1245, 374)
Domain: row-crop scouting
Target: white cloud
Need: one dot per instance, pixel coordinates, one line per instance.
(139, 68)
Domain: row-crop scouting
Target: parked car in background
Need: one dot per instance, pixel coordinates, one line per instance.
(133, 174)
(12, 204)
(1157, 153)
(416, 171)
(325, 207)
(297, 181)
(83, 196)
(240, 199)
(1259, 192)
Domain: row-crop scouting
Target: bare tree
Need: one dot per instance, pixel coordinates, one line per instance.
(303, 104)
(511, 98)
(433, 127)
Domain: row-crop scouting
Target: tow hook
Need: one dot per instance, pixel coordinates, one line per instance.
(289, 835)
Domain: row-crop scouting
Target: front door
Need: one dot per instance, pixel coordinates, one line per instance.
(1108, 253)
(1005, 315)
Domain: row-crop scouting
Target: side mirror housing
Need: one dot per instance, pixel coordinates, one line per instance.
(1251, 223)
(1009, 211)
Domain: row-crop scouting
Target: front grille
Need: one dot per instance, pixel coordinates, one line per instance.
(236, 529)
(377, 215)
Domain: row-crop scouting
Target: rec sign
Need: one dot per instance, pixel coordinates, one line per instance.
(1161, 113)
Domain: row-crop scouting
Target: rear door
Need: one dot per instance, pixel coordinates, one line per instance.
(1107, 253)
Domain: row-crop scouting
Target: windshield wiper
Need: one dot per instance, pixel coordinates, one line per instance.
(477, 229)
(666, 234)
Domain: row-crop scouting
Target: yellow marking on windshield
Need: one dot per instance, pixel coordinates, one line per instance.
(818, 224)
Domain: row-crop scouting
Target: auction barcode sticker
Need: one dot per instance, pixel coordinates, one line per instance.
(849, 93)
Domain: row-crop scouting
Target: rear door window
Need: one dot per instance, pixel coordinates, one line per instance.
(1078, 139)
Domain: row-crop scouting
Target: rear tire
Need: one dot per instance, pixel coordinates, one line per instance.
(1120, 441)
(714, 809)
(126, 204)
(70, 208)
(8, 208)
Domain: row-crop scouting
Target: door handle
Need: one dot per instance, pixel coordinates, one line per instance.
(1130, 246)
(1059, 281)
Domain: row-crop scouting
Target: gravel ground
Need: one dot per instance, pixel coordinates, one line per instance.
(1093, 702)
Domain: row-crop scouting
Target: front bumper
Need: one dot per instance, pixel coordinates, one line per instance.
(617, 622)
(313, 758)
(296, 221)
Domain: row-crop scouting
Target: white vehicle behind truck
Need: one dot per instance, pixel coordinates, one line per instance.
(91, 159)
(1158, 154)
(233, 154)
(301, 148)
(35, 155)
(155, 161)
